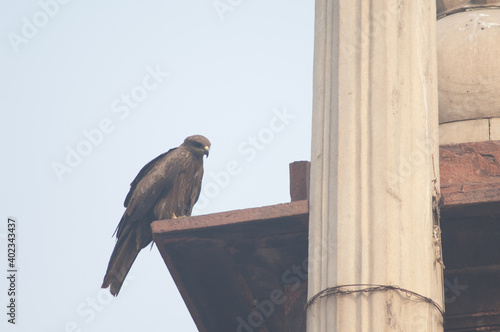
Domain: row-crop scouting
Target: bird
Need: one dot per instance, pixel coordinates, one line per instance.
(166, 188)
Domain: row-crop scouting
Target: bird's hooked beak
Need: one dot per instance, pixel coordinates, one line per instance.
(207, 149)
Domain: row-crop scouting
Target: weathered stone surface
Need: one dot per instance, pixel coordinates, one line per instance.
(374, 166)
(470, 173)
(468, 66)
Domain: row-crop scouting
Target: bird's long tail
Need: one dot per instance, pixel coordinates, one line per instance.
(122, 258)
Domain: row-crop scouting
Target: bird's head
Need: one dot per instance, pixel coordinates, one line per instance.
(198, 144)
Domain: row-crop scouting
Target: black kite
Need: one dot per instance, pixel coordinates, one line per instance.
(166, 187)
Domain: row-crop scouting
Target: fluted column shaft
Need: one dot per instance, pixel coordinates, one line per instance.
(374, 168)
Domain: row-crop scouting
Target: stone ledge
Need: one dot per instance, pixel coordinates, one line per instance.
(467, 131)
(464, 131)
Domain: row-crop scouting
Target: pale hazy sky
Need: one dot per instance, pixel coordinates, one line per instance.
(91, 91)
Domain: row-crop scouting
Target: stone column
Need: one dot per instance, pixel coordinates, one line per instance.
(374, 169)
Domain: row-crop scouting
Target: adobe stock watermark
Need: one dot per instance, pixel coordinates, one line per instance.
(30, 27)
(88, 309)
(264, 309)
(379, 22)
(452, 290)
(223, 7)
(249, 149)
(419, 158)
(293, 277)
(121, 108)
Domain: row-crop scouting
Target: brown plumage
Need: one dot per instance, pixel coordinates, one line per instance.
(166, 187)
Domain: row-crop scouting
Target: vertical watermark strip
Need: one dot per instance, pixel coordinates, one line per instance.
(12, 225)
